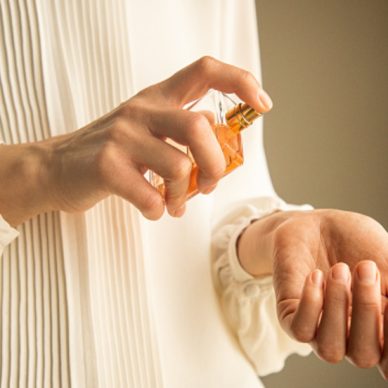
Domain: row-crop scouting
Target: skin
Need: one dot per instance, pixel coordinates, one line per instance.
(111, 155)
(330, 271)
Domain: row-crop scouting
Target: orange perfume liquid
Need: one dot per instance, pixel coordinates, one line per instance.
(227, 130)
(232, 150)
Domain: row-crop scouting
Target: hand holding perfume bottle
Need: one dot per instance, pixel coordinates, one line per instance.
(110, 155)
(230, 118)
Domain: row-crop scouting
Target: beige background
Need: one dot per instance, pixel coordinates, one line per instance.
(325, 63)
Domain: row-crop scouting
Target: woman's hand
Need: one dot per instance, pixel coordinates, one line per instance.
(330, 271)
(112, 154)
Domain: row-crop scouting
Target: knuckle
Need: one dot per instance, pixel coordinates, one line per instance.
(206, 64)
(337, 295)
(118, 129)
(132, 106)
(247, 77)
(367, 306)
(181, 169)
(124, 108)
(196, 124)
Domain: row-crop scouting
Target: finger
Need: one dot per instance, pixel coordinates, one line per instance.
(332, 332)
(304, 323)
(210, 116)
(169, 163)
(195, 80)
(118, 175)
(383, 365)
(194, 130)
(129, 184)
(364, 338)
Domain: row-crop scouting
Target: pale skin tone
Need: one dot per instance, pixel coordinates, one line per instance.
(316, 257)
(330, 271)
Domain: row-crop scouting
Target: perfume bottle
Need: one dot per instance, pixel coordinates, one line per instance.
(230, 118)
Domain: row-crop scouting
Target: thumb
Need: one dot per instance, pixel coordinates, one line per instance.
(299, 317)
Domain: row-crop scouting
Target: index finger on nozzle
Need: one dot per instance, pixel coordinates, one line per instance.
(193, 81)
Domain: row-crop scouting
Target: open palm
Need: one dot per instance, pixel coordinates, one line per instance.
(330, 276)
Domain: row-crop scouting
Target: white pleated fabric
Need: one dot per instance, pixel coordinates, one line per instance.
(107, 298)
(34, 324)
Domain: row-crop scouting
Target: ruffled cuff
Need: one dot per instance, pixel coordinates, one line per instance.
(7, 234)
(249, 303)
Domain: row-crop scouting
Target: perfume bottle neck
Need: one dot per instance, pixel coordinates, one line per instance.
(241, 116)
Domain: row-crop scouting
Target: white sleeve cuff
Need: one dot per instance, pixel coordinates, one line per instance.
(7, 234)
(249, 303)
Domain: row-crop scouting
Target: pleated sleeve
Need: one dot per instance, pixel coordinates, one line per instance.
(249, 303)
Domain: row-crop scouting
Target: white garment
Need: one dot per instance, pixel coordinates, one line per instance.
(107, 298)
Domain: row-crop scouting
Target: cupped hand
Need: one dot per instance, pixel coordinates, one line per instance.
(112, 154)
(330, 273)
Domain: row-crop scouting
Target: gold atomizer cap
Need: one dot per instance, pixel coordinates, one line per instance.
(241, 116)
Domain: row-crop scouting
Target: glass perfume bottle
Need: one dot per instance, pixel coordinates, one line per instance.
(230, 118)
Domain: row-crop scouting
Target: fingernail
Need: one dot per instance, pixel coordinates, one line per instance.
(265, 100)
(317, 277)
(340, 272)
(367, 272)
(179, 211)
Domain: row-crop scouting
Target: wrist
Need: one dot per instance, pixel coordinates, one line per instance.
(24, 191)
(255, 245)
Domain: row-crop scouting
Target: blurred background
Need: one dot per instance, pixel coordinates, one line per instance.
(325, 63)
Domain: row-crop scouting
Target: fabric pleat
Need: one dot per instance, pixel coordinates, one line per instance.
(107, 298)
(34, 347)
(73, 306)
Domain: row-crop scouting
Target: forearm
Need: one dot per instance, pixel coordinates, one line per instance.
(23, 181)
